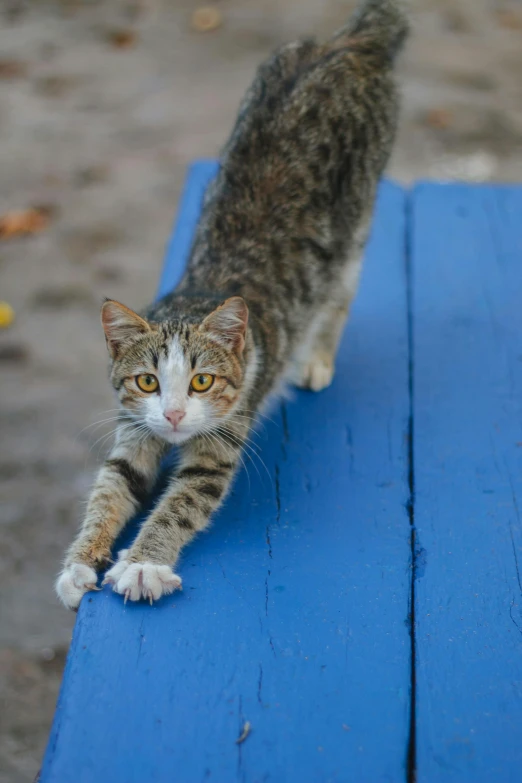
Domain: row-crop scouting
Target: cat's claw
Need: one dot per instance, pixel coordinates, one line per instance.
(142, 580)
(114, 573)
(74, 581)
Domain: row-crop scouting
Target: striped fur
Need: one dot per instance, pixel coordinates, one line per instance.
(272, 274)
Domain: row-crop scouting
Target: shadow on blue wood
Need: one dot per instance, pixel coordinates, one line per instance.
(295, 604)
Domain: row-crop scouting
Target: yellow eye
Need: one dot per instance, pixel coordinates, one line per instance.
(147, 383)
(202, 382)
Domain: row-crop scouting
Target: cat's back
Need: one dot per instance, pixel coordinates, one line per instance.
(299, 173)
(318, 121)
(306, 89)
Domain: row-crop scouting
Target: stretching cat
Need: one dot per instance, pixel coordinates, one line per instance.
(272, 273)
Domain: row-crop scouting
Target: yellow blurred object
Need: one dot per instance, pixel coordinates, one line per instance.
(6, 315)
(206, 19)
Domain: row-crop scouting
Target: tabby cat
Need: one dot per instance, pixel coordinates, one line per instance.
(273, 270)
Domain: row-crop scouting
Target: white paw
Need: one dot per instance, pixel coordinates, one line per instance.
(73, 582)
(141, 580)
(315, 375)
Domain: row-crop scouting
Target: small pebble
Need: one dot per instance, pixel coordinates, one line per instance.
(12, 69)
(92, 175)
(511, 19)
(123, 39)
(14, 353)
(438, 118)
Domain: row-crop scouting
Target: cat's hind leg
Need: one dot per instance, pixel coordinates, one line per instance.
(314, 363)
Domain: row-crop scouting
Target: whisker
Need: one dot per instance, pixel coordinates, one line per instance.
(107, 435)
(211, 444)
(259, 413)
(253, 420)
(252, 423)
(211, 431)
(249, 450)
(252, 449)
(99, 423)
(144, 433)
(215, 435)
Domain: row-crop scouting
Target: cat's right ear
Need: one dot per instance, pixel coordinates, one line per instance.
(121, 325)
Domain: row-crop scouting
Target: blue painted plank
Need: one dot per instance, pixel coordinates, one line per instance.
(467, 374)
(293, 615)
(200, 173)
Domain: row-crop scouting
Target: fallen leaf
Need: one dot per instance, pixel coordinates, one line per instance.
(24, 221)
(123, 38)
(206, 19)
(438, 118)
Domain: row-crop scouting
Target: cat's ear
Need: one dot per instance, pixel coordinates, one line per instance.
(121, 325)
(228, 324)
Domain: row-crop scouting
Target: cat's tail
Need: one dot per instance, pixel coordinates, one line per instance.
(380, 25)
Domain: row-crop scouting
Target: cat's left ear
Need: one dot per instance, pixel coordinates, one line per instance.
(121, 325)
(227, 325)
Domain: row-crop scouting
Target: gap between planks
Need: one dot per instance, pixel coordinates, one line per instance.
(411, 751)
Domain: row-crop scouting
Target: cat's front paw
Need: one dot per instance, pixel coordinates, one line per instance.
(141, 580)
(75, 580)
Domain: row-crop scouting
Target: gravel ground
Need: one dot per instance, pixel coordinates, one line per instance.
(102, 105)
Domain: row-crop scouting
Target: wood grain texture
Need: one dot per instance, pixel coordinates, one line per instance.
(467, 382)
(294, 614)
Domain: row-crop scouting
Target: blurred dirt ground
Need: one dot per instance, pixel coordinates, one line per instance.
(102, 105)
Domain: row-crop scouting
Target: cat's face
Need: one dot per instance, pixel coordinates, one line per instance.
(177, 379)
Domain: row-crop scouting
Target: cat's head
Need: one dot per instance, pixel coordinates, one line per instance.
(179, 379)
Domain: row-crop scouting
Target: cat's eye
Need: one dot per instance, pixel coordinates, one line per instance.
(202, 382)
(147, 383)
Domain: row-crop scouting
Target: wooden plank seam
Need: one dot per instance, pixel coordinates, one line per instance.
(411, 754)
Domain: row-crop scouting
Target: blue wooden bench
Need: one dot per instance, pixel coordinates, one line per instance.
(357, 603)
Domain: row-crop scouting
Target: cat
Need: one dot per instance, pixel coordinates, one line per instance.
(273, 270)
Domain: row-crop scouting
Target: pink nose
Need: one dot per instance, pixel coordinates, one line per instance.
(174, 417)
